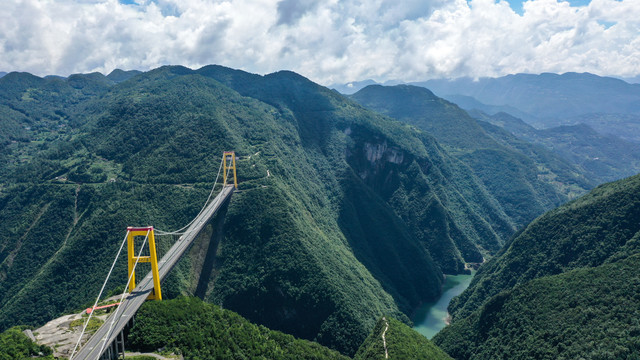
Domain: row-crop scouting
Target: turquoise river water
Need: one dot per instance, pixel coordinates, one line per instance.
(431, 317)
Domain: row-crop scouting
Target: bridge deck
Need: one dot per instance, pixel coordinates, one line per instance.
(131, 304)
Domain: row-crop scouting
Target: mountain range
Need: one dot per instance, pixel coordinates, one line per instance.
(350, 209)
(608, 105)
(339, 213)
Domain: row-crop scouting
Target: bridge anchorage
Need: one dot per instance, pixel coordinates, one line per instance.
(107, 343)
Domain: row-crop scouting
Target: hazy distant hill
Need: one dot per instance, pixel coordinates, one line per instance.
(545, 99)
(471, 104)
(624, 126)
(2, 73)
(352, 87)
(602, 158)
(633, 80)
(566, 287)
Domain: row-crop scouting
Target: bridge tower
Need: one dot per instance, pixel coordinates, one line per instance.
(229, 155)
(132, 232)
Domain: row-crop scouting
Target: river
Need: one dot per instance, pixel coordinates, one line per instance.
(431, 317)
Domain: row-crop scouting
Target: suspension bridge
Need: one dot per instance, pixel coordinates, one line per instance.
(107, 343)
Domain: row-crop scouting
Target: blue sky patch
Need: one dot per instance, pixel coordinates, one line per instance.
(516, 5)
(606, 24)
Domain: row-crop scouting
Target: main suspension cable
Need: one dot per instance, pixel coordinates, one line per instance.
(179, 231)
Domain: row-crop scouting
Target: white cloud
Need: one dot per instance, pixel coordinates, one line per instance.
(328, 41)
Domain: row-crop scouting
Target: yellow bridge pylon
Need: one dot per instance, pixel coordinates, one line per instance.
(229, 155)
(132, 232)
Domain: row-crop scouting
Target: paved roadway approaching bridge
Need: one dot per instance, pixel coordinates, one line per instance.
(101, 342)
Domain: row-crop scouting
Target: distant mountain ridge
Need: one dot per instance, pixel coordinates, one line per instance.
(609, 105)
(547, 98)
(632, 80)
(472, 104)
(116, 75)
(624, 126)
(602, 157)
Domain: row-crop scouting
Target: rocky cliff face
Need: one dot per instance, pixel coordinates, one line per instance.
(377, 152)
(422, 191)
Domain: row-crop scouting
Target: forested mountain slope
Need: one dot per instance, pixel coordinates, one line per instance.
(567, 285)
(587, 313)
(400, 342)
(214, 333)
(458, 220)
(526, 181)
(596, 228)
(343, 216)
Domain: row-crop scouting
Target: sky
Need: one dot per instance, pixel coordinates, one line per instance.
(328, 41)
